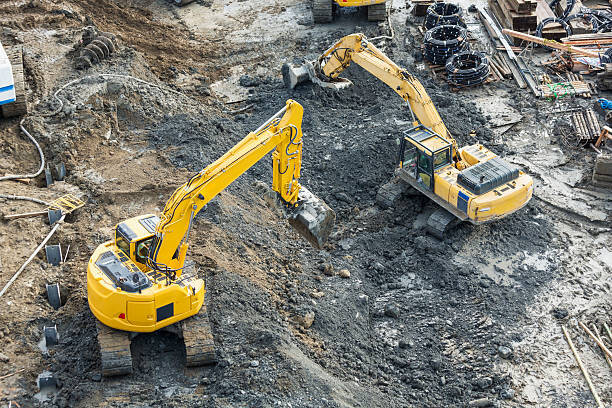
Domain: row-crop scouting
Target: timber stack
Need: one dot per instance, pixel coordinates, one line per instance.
(518, 15)
(525, 16)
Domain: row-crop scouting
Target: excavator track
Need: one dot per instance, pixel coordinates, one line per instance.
(322, 11)
(115, 351)
(198, 339)
(19, 107)
(440, 222)
(377, 12)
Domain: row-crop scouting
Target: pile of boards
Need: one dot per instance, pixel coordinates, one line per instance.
(525, 15)
(602, 175)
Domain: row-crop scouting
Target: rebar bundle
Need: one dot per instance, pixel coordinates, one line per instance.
(467, 68)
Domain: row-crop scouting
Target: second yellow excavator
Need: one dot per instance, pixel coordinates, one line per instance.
(140, 281)
(323, 10)
(470, 184)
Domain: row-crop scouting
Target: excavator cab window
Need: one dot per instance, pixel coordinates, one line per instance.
(441, 158)
(122, 243)
(142, 250)
(409, 159)
(425, 169)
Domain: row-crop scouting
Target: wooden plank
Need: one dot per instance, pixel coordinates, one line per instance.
(523, 6)
(24, 215)
(550, 43)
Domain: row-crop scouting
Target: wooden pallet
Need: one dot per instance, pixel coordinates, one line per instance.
(561, 89)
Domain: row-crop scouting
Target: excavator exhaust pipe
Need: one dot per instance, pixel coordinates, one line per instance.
(293, 75)
(312, 218)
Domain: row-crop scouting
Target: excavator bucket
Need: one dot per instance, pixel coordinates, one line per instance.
(312, 218)
(293, 75)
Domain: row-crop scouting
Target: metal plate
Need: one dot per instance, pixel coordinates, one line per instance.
(54, 254)
(51, 336)
(54, 216)
(53, 295)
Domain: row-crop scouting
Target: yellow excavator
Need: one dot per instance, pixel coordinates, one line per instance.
(323, 10)
(140, 281)
(470, 184)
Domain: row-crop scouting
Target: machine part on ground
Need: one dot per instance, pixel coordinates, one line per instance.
(140, 281)
(53, 295)
(114, 350)
(12, 82)
(323, 10)
(444, 41)
(443, 14)
(96, 46)
(198, 339)
(472, 183)
(552, 20)
(51, 336)
(467, 68)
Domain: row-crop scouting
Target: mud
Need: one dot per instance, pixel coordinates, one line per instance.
(419, 322)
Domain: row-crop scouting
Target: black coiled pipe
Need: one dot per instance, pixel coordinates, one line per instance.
(443, 41)
(467, 68)
(443, 14)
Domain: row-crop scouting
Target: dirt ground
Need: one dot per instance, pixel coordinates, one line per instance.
(419, 322)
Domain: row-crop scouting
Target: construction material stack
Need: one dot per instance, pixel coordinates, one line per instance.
(519, 15)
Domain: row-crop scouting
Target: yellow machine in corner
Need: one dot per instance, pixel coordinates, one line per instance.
(470, 183)
(140, 282)
(323, 10)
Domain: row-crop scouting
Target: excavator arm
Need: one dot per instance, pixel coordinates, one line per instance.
(356, 48)
(281, 133)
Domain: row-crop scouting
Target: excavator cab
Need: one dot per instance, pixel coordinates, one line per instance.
(422, 152)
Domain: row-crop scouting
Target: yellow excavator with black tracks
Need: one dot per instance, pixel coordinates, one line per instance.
(470, 183)
(140, 282)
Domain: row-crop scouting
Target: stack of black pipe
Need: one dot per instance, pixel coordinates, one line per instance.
(443, 14)
(443, 41)
(467, 68)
